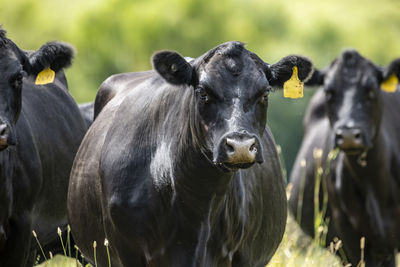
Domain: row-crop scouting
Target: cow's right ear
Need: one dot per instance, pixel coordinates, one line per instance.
(173, 67)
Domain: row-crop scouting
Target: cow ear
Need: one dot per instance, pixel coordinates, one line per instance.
(391, 76)
(316, 79)
(173, 67)
(56, 55)
(282, 71)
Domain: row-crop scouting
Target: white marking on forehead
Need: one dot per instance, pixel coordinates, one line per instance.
(161, 166)
(347, 107)
(233, 121)
(203, 76)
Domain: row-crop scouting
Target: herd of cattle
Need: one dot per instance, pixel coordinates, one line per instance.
(177, 167)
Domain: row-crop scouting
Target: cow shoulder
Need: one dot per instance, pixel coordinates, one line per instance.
(115, 84)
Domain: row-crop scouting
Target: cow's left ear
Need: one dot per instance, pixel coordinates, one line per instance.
(391, 76)
(173, 67)
(56, 55)
(282, 71)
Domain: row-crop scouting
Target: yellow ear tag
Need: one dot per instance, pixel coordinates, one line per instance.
(390, 84)
(45, 76)
(293, 88)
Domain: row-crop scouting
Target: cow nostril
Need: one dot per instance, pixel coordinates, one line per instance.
(229, 147)
(3, 129)
(253, 148)
(357, 136)
(339, 138)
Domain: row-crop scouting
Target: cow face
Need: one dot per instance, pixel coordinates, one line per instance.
(14, 66)
(12, 69)
(231, 86)
(353, 99)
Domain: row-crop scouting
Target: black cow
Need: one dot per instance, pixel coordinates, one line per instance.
(40, 131)
(353, 114)
(167, 170)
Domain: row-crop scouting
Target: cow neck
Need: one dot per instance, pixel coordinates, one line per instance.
(7, 169)
(374, 175)
(198, 182)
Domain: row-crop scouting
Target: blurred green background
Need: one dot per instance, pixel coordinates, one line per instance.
(121, 35)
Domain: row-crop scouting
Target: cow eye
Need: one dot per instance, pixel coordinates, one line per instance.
(371, 94)
(202, 94)
(16, 81)
(264, 97)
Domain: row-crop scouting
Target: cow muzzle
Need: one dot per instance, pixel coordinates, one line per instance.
(350, 140)
(238, 150)
(6, 138)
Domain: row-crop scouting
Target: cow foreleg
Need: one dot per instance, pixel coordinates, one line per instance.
(16, 251)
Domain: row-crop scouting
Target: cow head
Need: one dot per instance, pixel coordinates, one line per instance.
(16, 66)
(231, 87)
(353, 99)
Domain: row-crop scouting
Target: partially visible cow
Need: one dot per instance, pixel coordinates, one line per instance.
(179, 167)
(40, 131)
(87, 112)
(353, 114)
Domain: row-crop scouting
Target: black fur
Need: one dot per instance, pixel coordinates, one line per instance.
(3, 38)
(317, 78)
(44, 129)
(282, 71)
(145, 184)
(57, 55)
(351, 104)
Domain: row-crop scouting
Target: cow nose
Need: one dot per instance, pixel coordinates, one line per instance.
(4, 132)
(241, 150)
(349, 138)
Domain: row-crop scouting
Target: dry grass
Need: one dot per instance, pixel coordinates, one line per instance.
(297, 249)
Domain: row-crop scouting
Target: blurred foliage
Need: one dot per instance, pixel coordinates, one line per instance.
(121, 35)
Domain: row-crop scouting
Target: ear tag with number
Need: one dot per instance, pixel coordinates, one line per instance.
(390, 84)
(293, 88)
(45, 76)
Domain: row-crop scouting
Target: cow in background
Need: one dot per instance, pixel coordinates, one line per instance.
(179, 168)
(40, 131)
(351, 113)
(87, 112)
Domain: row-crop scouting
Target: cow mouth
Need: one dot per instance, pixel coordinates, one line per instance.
(353, 151)
(3, 143)
(229, 167)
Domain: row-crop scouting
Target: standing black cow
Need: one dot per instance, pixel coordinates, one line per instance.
(40, 132)
(352, 113)
(166, 172)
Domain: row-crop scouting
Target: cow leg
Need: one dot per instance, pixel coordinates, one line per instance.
(130, 258)
(351, 246)
(18, 244)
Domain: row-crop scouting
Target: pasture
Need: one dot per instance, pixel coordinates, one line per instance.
(118, 36)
